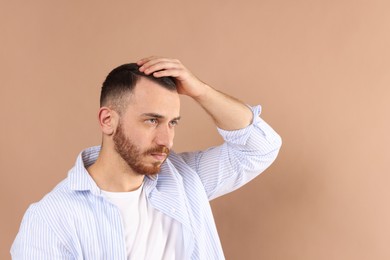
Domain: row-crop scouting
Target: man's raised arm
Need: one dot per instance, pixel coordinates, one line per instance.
(250, 144)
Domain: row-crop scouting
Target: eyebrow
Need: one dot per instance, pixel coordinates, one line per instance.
(155, 115)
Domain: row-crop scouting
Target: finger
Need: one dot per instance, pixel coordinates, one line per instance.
(154, 60)
(159, 66)
(151, 60)
(144, 60)
(168, 73)
(154, 66)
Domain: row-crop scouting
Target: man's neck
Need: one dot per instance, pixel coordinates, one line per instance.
(111, 173)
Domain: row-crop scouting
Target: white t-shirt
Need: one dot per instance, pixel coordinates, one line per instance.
(149, 233)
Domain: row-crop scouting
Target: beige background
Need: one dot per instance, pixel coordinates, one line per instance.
(320, 69)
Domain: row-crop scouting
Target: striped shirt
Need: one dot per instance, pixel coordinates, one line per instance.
(76, 221)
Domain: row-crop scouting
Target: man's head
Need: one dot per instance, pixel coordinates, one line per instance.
(121, 81)
(138, 114)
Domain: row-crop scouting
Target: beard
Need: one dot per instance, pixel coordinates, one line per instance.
(133, 156)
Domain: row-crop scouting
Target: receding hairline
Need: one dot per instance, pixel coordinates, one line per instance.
(123, 79)
(120, 100)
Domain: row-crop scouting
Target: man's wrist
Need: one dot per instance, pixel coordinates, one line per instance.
(203, 93)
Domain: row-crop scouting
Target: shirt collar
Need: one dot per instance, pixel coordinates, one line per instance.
(79, 178)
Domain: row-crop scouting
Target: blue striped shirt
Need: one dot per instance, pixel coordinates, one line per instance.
(75, 221)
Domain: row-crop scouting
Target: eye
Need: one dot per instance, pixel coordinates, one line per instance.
(152, 121)
(174, 123)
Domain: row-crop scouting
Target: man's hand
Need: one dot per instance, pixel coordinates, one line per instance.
(186, 82)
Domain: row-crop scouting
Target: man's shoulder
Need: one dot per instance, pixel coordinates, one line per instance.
(59, 201)
(182, 158)
(180, 166)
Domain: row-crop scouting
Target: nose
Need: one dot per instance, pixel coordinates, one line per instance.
(164, 136)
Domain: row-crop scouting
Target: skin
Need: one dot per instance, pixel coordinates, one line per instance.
(149, 121)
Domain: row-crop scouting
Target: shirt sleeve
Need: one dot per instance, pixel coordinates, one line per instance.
(36, 240)
(245, 154)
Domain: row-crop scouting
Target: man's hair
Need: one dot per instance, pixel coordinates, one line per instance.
(121, 81)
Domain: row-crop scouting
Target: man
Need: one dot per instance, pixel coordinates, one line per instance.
(133, 198)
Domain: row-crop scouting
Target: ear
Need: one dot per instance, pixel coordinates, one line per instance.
(108, 120)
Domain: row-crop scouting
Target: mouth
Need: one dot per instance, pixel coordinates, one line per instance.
(159, 156)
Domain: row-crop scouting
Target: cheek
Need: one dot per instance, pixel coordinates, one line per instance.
(139, 133)
(141, 139)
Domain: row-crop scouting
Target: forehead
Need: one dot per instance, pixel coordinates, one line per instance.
(149, 97)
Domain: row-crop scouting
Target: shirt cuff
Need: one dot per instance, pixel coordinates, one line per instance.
(241, 136)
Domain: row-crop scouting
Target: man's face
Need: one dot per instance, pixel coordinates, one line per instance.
(144, 135)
